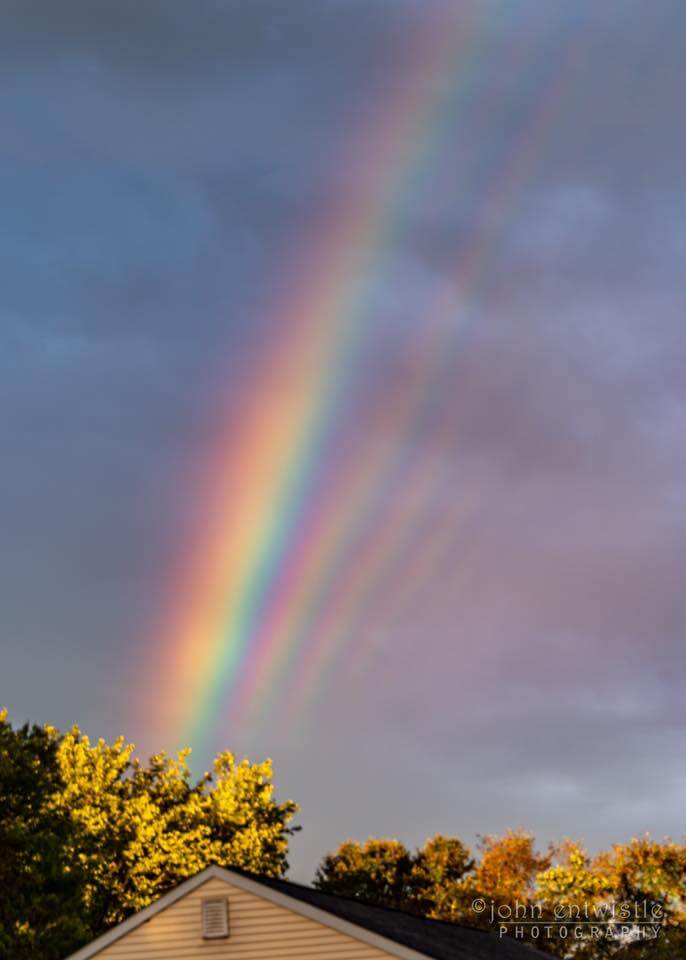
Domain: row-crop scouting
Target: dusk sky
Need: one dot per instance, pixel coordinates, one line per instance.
(343, 390)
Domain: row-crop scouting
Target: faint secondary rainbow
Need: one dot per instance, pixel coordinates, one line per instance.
(386, 510)
(263, 473)
(306, 518)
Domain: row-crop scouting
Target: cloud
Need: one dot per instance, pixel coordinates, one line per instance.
(161, 166)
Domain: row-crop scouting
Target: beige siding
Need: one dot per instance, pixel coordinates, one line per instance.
(259, 930)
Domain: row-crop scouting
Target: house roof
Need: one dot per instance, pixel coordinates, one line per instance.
(399, 934)
(433, 938)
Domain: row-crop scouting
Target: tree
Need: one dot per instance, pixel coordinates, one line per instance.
(40, 913)
(509, 865)
(504, 875)
(439, 871)
(100, 835)
(386, 873)
(550, 890)
(378, 871)
(651, 876)
(573, 889)
(441, 879)
(642, 881)
(143, 829)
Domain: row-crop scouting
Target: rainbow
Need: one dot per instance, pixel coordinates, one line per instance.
(377, 549)
(303, 518)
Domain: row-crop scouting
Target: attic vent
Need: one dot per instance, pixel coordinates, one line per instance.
(215, 918)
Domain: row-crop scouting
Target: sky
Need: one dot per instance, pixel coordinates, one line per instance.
(439, 248)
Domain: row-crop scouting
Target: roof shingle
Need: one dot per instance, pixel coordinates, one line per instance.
(435, 938)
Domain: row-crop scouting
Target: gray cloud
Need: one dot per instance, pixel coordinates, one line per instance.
(159, 167)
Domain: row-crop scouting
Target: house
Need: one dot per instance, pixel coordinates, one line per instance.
(230, 915)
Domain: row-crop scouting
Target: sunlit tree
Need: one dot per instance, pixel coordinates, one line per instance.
(90, 834)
